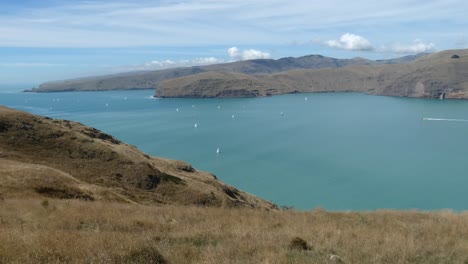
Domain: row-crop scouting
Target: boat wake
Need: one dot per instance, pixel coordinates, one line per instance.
(151, 97)
(444, 119)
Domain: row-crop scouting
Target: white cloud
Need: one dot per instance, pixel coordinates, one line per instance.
(166, 64)
(206, 61)
(350, 41)
(249, 54)
(418, 46)
(234, 52)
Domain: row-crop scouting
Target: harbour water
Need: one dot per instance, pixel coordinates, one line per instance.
(342, 151)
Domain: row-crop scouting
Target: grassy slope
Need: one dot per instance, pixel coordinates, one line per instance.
(64, 159)
(57, 231)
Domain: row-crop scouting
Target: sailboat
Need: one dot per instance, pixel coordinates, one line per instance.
(196, 125)
(217, 151)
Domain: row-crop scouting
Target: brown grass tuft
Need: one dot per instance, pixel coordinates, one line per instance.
(144, 255)
(298, 243)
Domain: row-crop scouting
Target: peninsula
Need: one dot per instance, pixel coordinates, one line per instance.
(438, 75)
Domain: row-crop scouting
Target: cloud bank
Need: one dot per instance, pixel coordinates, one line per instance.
(249, 54)
(350, 41)
(354, 42)
(418, 46)
(234, 54)
(166, 64)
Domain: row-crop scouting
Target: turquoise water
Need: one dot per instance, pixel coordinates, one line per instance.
(339, 151)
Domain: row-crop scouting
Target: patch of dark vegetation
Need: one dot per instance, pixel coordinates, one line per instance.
(57, 134)
(173, 179)
(117, 176)
(108, 137)
(231, 192)
(45, 203)
(112, 156)
(287, 207)
(64, 193)
(4, 126)
(145, 255)
(205, 200)
(198, 241)
(455, 56)
(237, 93)
(298, 243)
(67, 123)
(150, 183)
(87, 154)
(94, 133)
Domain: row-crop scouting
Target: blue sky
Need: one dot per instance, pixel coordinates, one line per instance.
(43, 40)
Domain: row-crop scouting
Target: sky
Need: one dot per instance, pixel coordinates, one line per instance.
(45, 40)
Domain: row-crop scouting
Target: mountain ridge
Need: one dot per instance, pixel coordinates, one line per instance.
(150, 79)
(437, 75)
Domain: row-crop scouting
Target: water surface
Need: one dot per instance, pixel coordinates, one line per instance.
(341, 151)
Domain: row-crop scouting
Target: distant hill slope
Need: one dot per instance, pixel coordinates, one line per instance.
(149, 79)
(429, 76)
(40, 156)
(214, 84)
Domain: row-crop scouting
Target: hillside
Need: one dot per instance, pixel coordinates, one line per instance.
(214, 84)
(43, 157)
(58, 231)
(430, 76)
(73, 194)
(149, 79)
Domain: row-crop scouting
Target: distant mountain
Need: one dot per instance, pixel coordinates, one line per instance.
(405, 59)
(149, 79)
(40, 156)
(442, 74)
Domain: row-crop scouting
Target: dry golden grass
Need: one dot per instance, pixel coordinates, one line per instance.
(56, 231)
